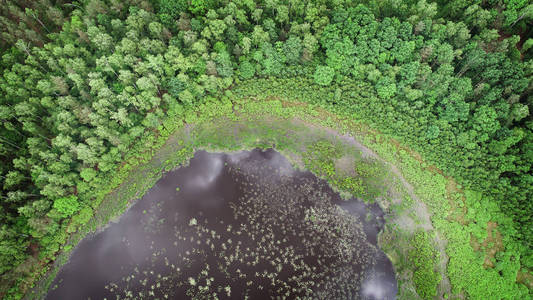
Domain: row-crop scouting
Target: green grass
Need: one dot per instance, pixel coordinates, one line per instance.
(424, 256)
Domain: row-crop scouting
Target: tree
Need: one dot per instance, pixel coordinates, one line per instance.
(88, 174)
(246, 69)
(176, 85)
(186, 97)
(224, 64)
(386, 88)
(324, 75)
(66, 206)
(293, 49)
(341, 56)
(310, 45)
(199, 7)
(12, 248)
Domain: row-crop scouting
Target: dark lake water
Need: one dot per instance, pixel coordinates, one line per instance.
(234, 226)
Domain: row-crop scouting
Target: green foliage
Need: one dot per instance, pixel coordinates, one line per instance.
(31, 21)
(293, 49)
(200, 7)
(246, 70)
(175, 86)
(88, 174)
(386, 88)
(66, 206)
(224, 65)
(171, 9)
(324, 75)
(424, 258)
(321, 158)
(80, 219)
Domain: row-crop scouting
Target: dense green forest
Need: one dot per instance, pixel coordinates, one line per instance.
(84, 82)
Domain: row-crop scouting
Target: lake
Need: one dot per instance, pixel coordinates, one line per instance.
(234, 226)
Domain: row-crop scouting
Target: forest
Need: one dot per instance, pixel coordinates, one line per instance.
(84, 84)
